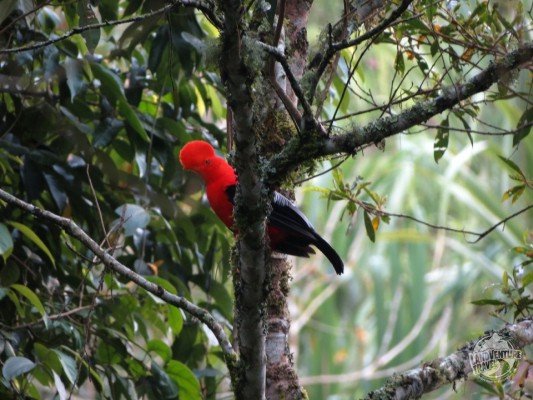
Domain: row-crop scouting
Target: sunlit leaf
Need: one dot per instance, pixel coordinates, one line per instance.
(31, 296)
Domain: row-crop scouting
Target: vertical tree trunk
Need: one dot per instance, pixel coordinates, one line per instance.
(282, 379)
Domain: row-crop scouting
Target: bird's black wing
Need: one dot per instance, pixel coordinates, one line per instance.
(284, 215)
(300, 233)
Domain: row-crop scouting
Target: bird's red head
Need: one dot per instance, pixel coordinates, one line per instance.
(196, 155)
(200, 157)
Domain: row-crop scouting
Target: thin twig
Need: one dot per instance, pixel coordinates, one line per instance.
(80, 29)
(336, 47)
(48, 317)
(97, 203)
(480, 235)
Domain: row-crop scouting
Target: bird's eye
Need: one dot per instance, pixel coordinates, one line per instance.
(207, 162)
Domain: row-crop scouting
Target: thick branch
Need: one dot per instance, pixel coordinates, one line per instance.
(442, 371)
(300, 150)
(76, 232)
(250, 209)
(200, 5)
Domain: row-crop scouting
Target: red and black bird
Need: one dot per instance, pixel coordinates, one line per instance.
(289, 230)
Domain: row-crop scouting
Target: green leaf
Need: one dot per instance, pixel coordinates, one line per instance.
(523, 126)
(131, 116)
(511, 165)
(514, 193)
(6, 242)
(69, 366)
(111, 85)
(441, 141)
(165, 385)
(16, 366)
(60, 387)
(338, 178)
(175, 319)
(160, 348)
(34, 238)
(87, 17)
(189, 387)
(47, 357)
(399, 63)
(369, 227)
(74, 72)
(488, 302)
(6, 7)
(31, 296)
(527, 279)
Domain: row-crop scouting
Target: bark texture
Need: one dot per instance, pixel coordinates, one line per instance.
(442, 371)
(250, 210)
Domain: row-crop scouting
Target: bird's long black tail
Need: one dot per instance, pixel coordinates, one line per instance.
(330, 253)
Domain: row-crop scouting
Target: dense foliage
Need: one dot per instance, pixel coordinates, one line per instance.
(95, 138)
(90, 126)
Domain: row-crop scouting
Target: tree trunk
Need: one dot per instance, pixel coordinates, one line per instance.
(282, 380)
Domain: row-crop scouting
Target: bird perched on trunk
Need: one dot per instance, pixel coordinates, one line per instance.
(289, 230)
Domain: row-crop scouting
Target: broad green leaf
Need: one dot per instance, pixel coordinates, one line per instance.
(69, 366)
(31, 296)
(169, 287)
(160, 348)
(167, 386)
(189, 387)
(131, 116)
(74, 72)
(26, 231)
(60, 387)
(369, 226)
(16, 366)
(175, 319)
(6, 242)
(111, 85)
(47, 357)
(88, 17)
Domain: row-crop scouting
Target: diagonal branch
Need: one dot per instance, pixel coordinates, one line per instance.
(109, 261)
(198, 4)
(298, 151)
(280, 57)
(442, 371)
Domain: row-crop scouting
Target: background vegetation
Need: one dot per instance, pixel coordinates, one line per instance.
(90, 127)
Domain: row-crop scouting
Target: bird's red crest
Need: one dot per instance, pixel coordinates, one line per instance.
(194, 154)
